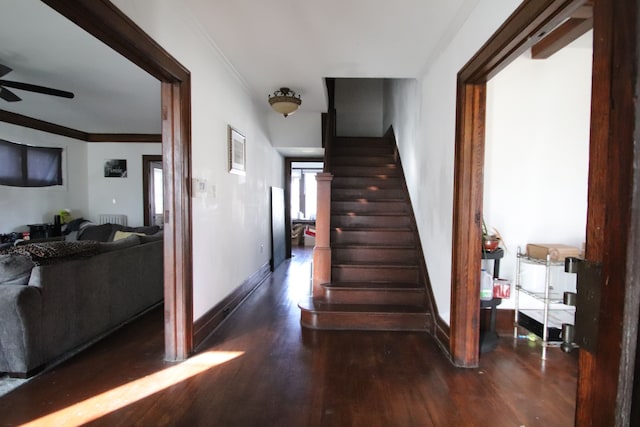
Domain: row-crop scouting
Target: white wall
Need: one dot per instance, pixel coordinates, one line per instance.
(231, 226)
(117, 195)
(359, 107)
(426, 143)
(537, 153)
(22, 206)
(299, 130)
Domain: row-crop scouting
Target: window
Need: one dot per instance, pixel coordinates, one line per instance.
(304, 189)
(26, 166)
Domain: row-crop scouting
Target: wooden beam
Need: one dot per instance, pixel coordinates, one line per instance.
(125, 137)
(559, 38)
(527, 25)
(41, 125)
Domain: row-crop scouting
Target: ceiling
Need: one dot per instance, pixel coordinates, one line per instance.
(294, 43)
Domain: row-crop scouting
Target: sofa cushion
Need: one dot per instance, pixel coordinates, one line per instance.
(146, 238)
(127, 242)
(99, 233)
(15, 269)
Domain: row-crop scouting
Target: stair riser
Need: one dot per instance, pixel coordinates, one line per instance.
(377, 171)
(372, 296)
(376, 150)
(373, 237)
(361, 142)
(355, 194)
(345, 221)
(378, 255)
(339, 207)
(365, 321)
(367, 160)
(353, 274)
(365, 182)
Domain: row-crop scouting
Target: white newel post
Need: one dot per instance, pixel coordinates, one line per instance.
(322, 249)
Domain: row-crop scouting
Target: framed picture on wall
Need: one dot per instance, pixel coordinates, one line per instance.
(115, 168)
(237, 152)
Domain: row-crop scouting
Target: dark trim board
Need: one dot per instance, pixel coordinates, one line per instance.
(442, 333)
(41, 125)
(209, 322)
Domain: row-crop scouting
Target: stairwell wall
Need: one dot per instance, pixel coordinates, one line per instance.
(423, 115)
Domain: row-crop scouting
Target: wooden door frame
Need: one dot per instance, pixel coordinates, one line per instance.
(288, 161)
(603, 396)
(147, 159)
(108, 24)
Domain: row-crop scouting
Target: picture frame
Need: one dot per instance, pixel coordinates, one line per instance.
(237, 152)
(115, 168)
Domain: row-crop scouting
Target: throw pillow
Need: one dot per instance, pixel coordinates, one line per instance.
(124, 234)
(15, 269)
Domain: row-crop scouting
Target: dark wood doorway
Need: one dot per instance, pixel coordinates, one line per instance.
(606, 375)
(150, 165)
(108, 24)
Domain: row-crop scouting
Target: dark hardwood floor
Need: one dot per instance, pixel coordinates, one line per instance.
(261, 369)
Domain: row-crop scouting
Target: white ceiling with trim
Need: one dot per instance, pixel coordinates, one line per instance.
(294, 43)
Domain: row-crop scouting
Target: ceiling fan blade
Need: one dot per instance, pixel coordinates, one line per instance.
(8, 96)
(36, 88)
(4, 70)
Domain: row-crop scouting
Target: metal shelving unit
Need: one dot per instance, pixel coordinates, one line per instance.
(549, 296)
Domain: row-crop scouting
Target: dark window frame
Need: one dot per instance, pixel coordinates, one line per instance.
(28, 162)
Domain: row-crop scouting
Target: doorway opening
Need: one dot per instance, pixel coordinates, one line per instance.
(301, 200)
(604, 382)
(152, 190)
(109, 25)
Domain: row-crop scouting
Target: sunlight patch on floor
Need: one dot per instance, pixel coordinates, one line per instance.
(124, 395)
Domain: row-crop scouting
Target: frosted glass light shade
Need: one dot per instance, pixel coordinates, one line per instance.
(285, 101)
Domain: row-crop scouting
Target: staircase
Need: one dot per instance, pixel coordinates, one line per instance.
(377, 282)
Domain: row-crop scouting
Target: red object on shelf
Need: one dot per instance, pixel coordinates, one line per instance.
(501, 288)
(310, 232)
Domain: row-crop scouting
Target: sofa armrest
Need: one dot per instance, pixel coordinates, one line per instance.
(20, 329)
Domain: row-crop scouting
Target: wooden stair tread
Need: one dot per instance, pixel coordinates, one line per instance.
(317, 305)
(391, 286)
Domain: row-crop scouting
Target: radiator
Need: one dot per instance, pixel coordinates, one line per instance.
(113, 219)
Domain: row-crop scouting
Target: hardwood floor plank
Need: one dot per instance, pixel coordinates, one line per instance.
(271, 372)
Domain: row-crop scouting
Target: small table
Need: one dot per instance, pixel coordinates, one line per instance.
(489, 338)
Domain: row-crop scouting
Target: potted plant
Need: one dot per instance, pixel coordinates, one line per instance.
(490, 241)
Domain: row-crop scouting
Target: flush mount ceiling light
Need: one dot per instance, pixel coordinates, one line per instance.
(285, 101)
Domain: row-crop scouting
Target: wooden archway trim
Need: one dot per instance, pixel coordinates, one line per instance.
(108, 24)
(606, 393)
(522, 29)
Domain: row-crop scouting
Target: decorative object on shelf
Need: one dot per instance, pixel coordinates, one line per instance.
(237, 152)
(490, 241)
(285, 101)
(65, 216)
